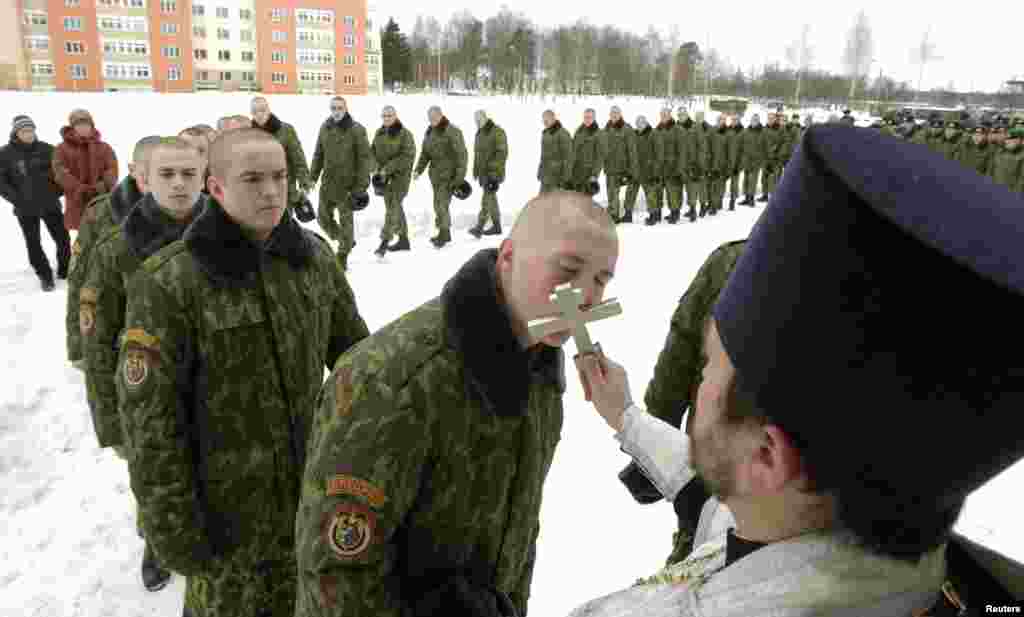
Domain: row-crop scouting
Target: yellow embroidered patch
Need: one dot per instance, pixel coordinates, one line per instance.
(86, 318)
(140, 337)
(350, 530)
(88, 295)
(76, 248)
(136, 367)
(356, 487)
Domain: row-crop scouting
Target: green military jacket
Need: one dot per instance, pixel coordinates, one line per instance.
(978, 158)
(587, 154)
(555, 168)
(115, 258)
(774, 145)
(295, 157)
(490, 152)
(223, 353)
(343, 155)
(394, 153)
(694, 152)
(430, 446)
(620, 156)
(718, 152)
(793, 134)
(670, 136)
(100, 214)
(950, 148)
(650, 156)
(444, 149)
(734, 149)
(920, 136)
(1008, 168)
(753, 147)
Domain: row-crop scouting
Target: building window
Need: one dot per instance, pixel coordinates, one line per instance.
(225, 75)
(112, 70)
(279, 36)
(372, 60)
(42, 69)
(245, 14)
(37, 43)
(199, 32)
(122, 24)
(125, 48)
(199, 54)
(198, 10)
(202, 75)
(348, 80)
(247, 76)
(75, 48)
(35, 18)
(278, 78)
(72, 24)
(350, 59)
(222, 12)
(350, 40)
(71, 4)
(223, 34)
(370, 44)
(168, 28)
(171, 52)
(246, 36)
(173, 73)
(224, 55)
(248, 56)
(168, 7)
(277, 15)
(123, 4)
(350, 22)
(78, 71)
(279, 57)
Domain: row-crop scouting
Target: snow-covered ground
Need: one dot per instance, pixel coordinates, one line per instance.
(67, 537)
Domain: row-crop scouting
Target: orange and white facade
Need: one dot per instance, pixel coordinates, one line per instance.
(276, 46)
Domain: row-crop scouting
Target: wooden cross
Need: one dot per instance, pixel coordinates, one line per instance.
(571, 317)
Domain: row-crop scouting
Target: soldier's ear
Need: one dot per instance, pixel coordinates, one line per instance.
(505, 255)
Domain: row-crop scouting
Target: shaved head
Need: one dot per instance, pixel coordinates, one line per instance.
(549, 215)
(144, 148)
(222, 148)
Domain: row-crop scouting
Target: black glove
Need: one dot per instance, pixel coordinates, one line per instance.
(490, 184)
(639, 485)
(304, 210)
(626, 180)
(460, 596)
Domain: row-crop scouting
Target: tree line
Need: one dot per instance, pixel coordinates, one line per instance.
(509, 54)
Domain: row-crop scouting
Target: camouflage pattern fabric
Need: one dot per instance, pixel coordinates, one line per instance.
(1008, 168)
(394, 152)
(298, 171)
(343, 155)
(490, 152)
(223, 353)
(620, 162)
(775, 144)
(650, 157)
(427, 460)
(587, 155)
(950, 148)
(444, 150)
(734, 155)
(719, 165)
(695, 165)
(670, 137)
(555, 168)
(753, 156)
(978, 158)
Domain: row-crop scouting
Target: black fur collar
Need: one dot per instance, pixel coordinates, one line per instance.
(688, 124)
(644, 131)
(722, 129)
(487, 127)
(344, 124)
(148, 228)
(615, 125)
(441, 126)
(593, 128)
(392, 130)
(554, 128)
(479, 326)
(125, 195)
(232, 260)
(667, 125)
(272, 126)
(737, 127)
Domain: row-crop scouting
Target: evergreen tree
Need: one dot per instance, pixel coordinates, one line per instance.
(395, 55)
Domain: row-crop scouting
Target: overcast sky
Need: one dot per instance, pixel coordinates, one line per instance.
(981, 43)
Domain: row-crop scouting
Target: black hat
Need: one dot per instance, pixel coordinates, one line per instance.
(359, 200)
(845, 318)
(379, 182)
(463, 190)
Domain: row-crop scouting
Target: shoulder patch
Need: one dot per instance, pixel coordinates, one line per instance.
(140, 337)
(155, 261)
(356, 487)
(349, 530)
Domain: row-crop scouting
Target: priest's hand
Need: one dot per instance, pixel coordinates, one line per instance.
(606, 385)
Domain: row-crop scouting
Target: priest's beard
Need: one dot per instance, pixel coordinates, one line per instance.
(714, 460)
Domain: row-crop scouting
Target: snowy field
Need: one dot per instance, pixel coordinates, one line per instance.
(67, 536)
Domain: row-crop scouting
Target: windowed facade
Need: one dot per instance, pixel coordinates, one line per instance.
(279, 36)
(248, 56)
(36, 18)
(222, 12)
(279, 78)
(307, 17)
(198, 10)
(168, 28)
(349, 40)
(278, 15)
(199, 32)
(37, 43)
(122, 23)
(121, 70)
(114, 47)
(199, 53)
(75, 48)
(42, 69)
(278, 57)
(246, 36)
(224, 55)
(78, 71)
(168, 7)
(73, 24)
(223, 34)
(171, 52)
(174, 73)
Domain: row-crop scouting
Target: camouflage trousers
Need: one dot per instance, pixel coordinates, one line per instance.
(735, 186)
(340, 227)
(652, 195)
(488, 210)
(716, 193)
(673, 190)
(613, 185)
(770, 180)
(261, 582)
(76, 275)
(442, 201)
(394, 216)
(750, 180)
(696, 191)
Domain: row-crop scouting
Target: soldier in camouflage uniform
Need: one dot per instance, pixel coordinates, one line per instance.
(949, 145)
(620, 160)
(433, 438)
(673, 389)
(227, 335)
(976, 153)
(695, 146)
(936, 129)
(719, 168)
(174, 178)
(587, 153)
(100, 214)
(394, 152)
(794, 131)
(667, 171)
(774, 144)
(753, 155)
(343, 155)
(1008, 163)
(649, 162)
(919, 134)
(444, 149)
(490, 152)
(284, 133)
(734, 154)
(554, 171)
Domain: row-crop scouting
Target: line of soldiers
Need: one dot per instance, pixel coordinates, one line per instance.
(681, 161)
(991, 149)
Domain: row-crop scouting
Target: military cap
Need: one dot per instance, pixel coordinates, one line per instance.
(1016, 132)
(860, 271)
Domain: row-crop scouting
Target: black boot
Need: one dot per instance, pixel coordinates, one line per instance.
(748, 201)
(628, 217)
(495, 230)
(154, 577)
(732, 204)
(382, 249)
(401, 245)
(652, 217)
(673, 217)
(46, 282)
(476, 231)
(763, 198)
(443, 238)
(616, 219)
(692, 215)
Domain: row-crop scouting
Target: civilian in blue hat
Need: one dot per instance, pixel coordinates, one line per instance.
(26, 181)
(847, 408)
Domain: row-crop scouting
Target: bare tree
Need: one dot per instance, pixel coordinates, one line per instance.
(923, 54)
(800, 56)
(859, 52)
(654, 50)
(674, 39)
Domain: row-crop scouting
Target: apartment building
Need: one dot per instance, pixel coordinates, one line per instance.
(276, 46)
(372, 52)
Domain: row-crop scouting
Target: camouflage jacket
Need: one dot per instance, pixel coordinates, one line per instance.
(394, 153)
(919, 136)
(223, 353)
(734, 149)
(1008, 168)
(343, 154)
(774, 146)
(950, 148)
(490, 152)
(444, 149)
(978, 158)
(718, 153)
(650, 156)
(298, 172)
(115, 258)
(620, 156)
(793, 134)
(427, 459)
(587, 153)
(694, 157)
(670, 137)
(753, 148)
(673, 389)
(555, 166)
(100, 214)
